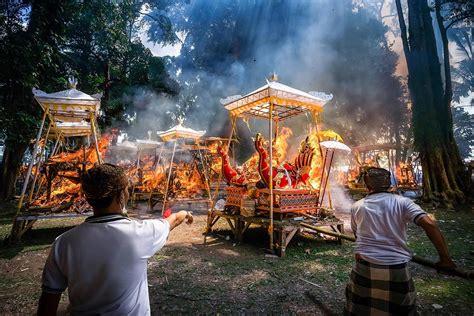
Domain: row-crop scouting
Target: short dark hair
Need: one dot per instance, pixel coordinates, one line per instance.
(102, 203)
(102, 183)
(377, 179)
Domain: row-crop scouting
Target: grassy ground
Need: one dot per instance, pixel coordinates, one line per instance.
(220, 277)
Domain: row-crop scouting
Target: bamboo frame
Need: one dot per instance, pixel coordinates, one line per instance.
(50, 113)
(30, 167)
(326, 176)
(169, 177)
(168, 180)
(208, 189)
(270, 133)
(150, 206)
(216, 194)
(94, 135)
(37, 171)
(263, 104)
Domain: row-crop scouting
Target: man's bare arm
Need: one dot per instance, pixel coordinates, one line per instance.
(177, 218)
(48, 304)
(434, 234)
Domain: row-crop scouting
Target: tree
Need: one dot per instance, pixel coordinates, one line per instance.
(443, 175)
(29, 57)
(103, 49)
(463, 131)
(463, 71)
(232, 46)
(96, 41)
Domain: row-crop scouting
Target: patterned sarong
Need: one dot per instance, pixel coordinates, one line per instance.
(380, 290)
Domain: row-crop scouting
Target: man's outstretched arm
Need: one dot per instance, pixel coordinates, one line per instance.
(48, 304)
(434, 234)
(177, 218)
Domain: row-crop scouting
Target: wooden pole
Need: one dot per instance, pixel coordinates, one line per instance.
(169, 177)
(94, 135)
(270, 133)
(33, 157)
(156, 170)
(467, 274)
(323, 173)
(37, 171)
(204, 172)
(42, 153)
(137, 166)
(216, 193)
(55, 146)
(315, 122)
(326, 178)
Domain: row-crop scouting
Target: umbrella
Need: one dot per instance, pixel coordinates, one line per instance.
(331, 144)
(331, 147)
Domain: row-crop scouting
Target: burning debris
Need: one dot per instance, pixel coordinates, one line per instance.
(52, 184)
(59, 179)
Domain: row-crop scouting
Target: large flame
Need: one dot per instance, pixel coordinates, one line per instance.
(317, 162)
(405, 175)
(65, 186)
(150, 175)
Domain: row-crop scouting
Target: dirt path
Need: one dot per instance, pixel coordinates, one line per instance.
(220, 276)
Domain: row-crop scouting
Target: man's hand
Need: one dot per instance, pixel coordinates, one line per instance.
(445, 264)
(177, 219)
(189, 219)
(437, 238)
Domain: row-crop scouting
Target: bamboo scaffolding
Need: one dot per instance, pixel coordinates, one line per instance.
(30, 167)
(216, 192)
(270, 133)
(37, 170)
(169, 177)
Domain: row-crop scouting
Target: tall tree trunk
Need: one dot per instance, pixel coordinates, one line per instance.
(107, 82)
(432, 123)
(9, 168)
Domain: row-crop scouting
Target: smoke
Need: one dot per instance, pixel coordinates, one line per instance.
(231, 47)
(149, 111)
(262, 41)
(336, 193)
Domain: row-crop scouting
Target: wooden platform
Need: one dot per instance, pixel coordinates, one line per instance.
(284, 230)
(25, 221)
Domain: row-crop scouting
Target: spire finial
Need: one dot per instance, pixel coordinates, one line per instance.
(72, 82)
(274, 77)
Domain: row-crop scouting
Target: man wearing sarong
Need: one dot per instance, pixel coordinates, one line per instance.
(103, 261)
(381, 283)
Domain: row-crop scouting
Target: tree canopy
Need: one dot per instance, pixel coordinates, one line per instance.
(227, 47)
(44, 42)
(231, 46)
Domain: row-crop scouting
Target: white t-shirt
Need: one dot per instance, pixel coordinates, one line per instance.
(379, 223)
(103, 263)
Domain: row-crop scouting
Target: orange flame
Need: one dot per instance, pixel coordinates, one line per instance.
(65, 187)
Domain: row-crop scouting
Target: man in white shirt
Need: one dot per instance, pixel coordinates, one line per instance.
(103, 261)
(381, 283)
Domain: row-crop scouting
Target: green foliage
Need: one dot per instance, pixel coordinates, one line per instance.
(29, 58)
(104, 50)
(232, 46)
(463, 131)
(44, 42)
(463, 71)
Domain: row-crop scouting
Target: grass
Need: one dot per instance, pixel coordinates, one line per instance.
(40, 237)
(458, 229)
